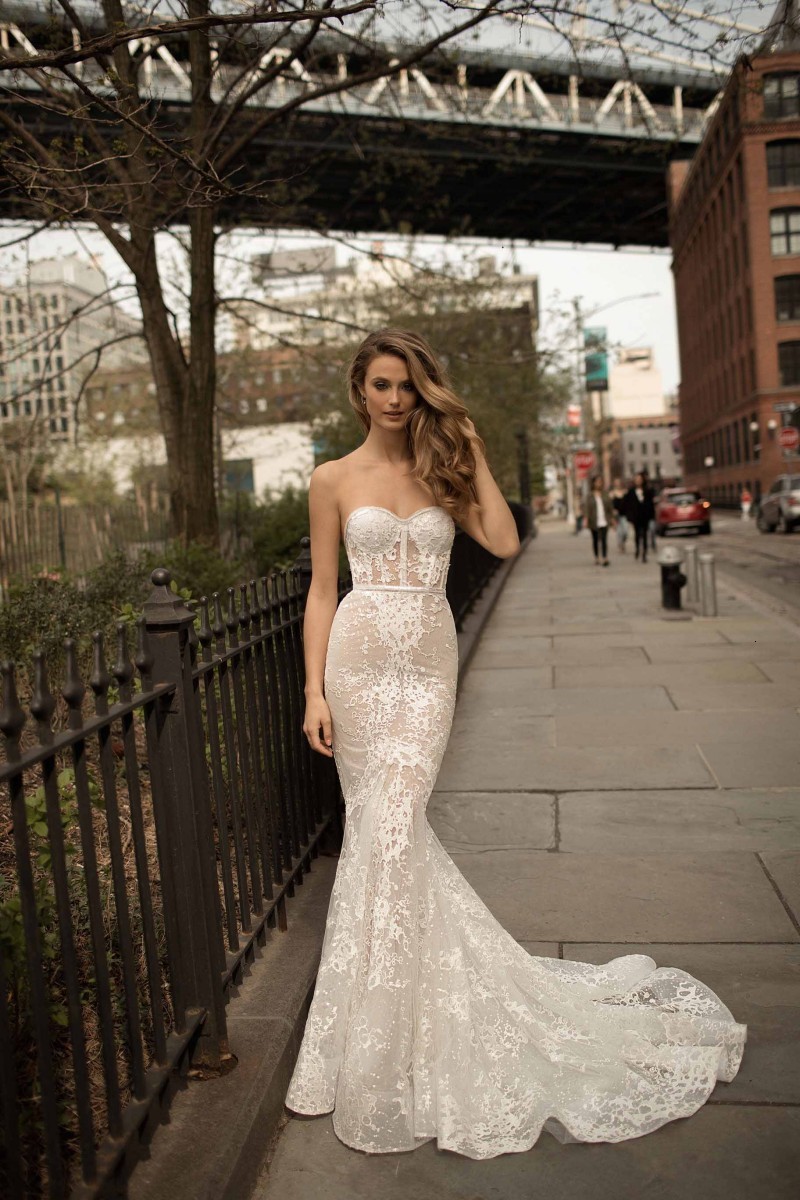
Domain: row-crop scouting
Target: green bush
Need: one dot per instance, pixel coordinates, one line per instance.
(277, 525)
(197, 569)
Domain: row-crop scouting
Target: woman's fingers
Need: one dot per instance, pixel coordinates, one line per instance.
(314, 740)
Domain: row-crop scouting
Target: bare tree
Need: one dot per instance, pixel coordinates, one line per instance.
(92, 135)
(130, 167)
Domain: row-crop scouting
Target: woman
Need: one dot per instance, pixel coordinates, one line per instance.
(428, 1019)
(618, 494)
(640, 509)
(599, 513)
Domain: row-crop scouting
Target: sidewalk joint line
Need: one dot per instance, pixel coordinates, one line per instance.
(778, 892)
(708, 766)
(556, 825)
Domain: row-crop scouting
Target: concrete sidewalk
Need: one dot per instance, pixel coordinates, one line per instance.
(620, 783)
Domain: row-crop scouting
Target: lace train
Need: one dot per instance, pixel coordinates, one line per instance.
(428, 1019)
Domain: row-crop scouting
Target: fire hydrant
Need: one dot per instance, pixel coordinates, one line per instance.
(672, 577)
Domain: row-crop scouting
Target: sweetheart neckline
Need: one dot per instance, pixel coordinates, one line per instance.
(380, 508)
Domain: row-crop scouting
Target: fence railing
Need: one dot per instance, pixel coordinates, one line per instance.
(158, 823)
(46, 535)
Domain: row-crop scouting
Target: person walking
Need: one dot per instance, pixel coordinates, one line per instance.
(640, 510)
(598, 512)
(618, 494)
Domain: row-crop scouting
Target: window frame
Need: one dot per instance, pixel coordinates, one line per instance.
(782, 173)
(782, 109)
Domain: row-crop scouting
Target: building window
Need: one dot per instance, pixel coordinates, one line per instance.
(784, 230)
(787, 298)
(781, 96)
(783, 163)
(789, 363)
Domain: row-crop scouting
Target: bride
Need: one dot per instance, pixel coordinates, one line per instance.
(428, 1019)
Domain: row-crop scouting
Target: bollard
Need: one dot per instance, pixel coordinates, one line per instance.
(692, 588)
(672, 577)
(708, 586)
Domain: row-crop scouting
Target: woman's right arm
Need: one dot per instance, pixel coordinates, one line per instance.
(321, 602)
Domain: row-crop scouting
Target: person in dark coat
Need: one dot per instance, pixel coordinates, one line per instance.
(640, 510)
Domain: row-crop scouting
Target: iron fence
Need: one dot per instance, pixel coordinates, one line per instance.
(158, 823)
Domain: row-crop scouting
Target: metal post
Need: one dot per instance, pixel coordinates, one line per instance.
(183, 820)
(708, 586)
(62, 541)
(692, 585)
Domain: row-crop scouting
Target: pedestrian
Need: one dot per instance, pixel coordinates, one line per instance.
(747, 502)
(640, 510)
(618, 493)
(599, 513)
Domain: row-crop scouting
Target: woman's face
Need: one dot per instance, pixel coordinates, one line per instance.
(639, 481)
(389, 391)
(598, 485)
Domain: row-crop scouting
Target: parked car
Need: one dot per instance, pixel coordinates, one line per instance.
(681, 508)
(780, 506)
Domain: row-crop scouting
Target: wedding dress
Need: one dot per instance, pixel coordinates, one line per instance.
(428, 1019)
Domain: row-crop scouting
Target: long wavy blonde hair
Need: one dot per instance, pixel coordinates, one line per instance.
(438, 437)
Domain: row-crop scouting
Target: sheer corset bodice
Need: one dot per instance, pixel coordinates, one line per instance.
(408, 553)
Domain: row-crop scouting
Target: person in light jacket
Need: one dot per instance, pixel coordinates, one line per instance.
(598, 511)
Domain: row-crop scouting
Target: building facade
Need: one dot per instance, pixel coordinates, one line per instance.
(735, 235)
(53, 324)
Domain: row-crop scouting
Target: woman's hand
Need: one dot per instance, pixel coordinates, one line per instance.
(318, 716)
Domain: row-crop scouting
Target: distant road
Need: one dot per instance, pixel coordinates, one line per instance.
(765, 564)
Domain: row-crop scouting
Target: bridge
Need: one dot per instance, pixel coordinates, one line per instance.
(471, 143)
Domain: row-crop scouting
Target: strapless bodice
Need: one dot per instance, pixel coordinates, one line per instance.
(404, 553)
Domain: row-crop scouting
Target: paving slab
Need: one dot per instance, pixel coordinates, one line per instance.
(648, 674)
(755, 696)
(500, 733)
(780, 672)
(513, 651)
(497, 682)
(761, 987)
(676, 822)
(756, 651)
(723, 897)
(784, 867)
(476, 821)
(719, 1153)
(570, 768)
(761, 762)
(748, 729)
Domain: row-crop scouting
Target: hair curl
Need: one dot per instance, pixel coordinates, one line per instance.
(441, 445)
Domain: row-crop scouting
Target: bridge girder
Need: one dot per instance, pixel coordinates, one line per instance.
(603, 141)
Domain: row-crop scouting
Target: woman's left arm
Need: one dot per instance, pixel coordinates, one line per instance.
(493, 527)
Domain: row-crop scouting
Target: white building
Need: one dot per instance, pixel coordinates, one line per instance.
(322, 302)
(51, 325)
(635, 387)
(264, 458)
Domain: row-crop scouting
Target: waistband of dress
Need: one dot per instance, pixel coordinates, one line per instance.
(397, 587)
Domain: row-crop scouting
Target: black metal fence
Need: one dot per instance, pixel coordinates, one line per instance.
(158, 823)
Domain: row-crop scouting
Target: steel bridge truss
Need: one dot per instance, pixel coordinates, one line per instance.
(552, 96)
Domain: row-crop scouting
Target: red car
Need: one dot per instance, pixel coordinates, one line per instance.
(681, 508)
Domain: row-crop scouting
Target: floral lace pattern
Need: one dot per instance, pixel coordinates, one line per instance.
(428, 1019)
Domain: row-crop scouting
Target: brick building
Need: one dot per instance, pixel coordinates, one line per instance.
(735, 235)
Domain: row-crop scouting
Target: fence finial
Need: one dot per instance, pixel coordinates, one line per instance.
(165, 607)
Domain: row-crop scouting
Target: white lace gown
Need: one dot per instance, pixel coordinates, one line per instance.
(428, 1019)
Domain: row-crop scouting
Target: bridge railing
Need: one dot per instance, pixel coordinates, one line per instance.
(623, 106)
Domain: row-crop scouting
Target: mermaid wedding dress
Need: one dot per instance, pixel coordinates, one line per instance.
(428, 1019)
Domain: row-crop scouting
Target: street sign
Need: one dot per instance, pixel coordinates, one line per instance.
(789, 438)
(574, 416)
(584, 461)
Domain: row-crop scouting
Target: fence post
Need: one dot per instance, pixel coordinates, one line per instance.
(183, 819)
(302, 565)
(62, 540)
